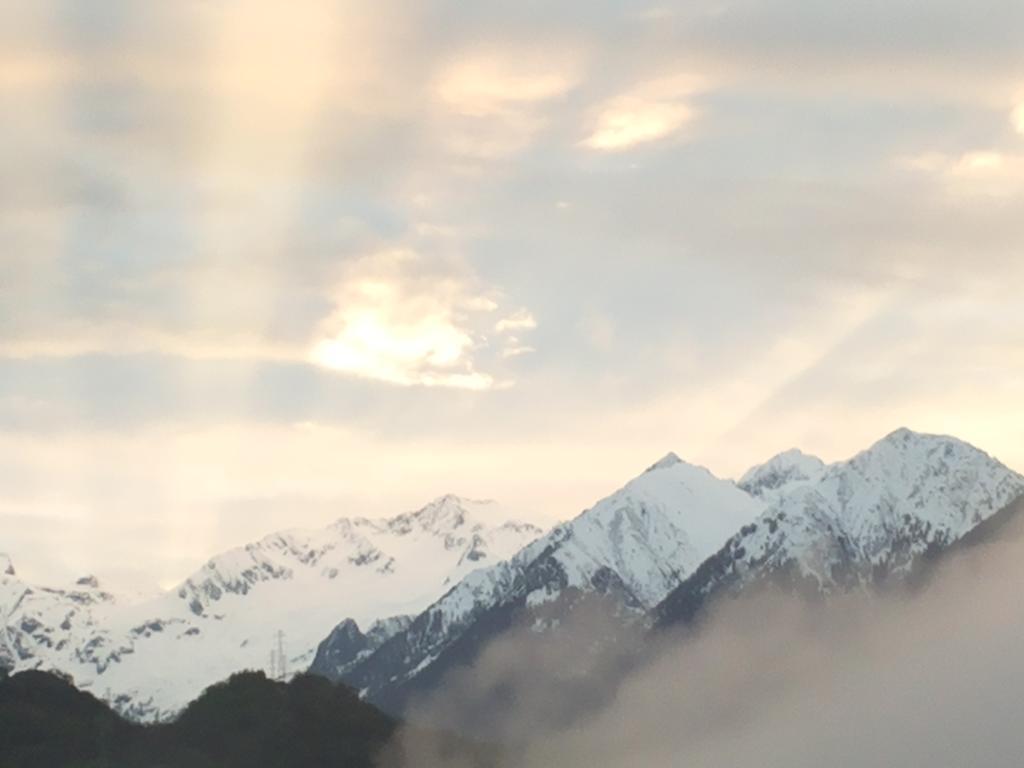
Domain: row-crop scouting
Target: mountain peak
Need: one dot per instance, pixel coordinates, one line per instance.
(670, 459)
(6, 566)
(903, 441)
(781, 472)
(904, 435)
(904, 438)
(448, 511)
(794, 455)
(348, 628)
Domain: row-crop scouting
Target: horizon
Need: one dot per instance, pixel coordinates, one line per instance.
(509, 515)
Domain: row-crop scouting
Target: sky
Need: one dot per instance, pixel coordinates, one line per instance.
(263, 265)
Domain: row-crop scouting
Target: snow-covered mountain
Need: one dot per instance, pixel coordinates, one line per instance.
(151, 658)
(858, 523)
(676, 535)
(634, 547)
(391, 605)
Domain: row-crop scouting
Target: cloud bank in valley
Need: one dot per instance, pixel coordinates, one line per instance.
(929, 678)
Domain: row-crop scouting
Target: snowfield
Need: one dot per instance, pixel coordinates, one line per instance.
(151, 658)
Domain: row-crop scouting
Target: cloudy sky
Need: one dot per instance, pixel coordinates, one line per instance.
(265, 264)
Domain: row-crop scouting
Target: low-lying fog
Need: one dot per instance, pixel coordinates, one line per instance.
(930, 679)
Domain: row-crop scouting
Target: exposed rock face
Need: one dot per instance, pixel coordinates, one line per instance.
(347, 645)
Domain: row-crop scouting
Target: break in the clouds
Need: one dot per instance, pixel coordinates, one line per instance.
(453, 239)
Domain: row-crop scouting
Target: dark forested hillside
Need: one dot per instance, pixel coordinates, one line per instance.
(246, 721)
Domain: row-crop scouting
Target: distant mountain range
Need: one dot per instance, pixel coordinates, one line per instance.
(150, 659)
(391, 607)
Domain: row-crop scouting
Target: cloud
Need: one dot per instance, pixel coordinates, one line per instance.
(515, 350)
(525, 685)
(520, 320)
(980, 172)
(185, 190)
(123, 339)
(493, 100)
(1017, 118)
(924, 677)
(392, 325)
(495, 83)
(648, 112)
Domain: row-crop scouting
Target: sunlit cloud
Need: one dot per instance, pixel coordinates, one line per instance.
(516, 350)
(511, 326)
(123, 339)
(979, 163)
(391, 326)
(1017, 118)
(651, 111)
(986, 172)
(493, 101)
(493, 83)
(520, 320)
(27, 70)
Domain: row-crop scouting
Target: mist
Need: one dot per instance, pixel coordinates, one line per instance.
(930, 676)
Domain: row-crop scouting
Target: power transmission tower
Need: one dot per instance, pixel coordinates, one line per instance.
(278, 660)
(282, 661)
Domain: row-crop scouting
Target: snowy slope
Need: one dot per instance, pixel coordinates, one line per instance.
(153, 657)
(636, 546)
(860, 522)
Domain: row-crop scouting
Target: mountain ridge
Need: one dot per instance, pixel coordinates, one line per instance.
(894, 498)
(866, 521)
(224, 617)
(632, 547)
(657, 550)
